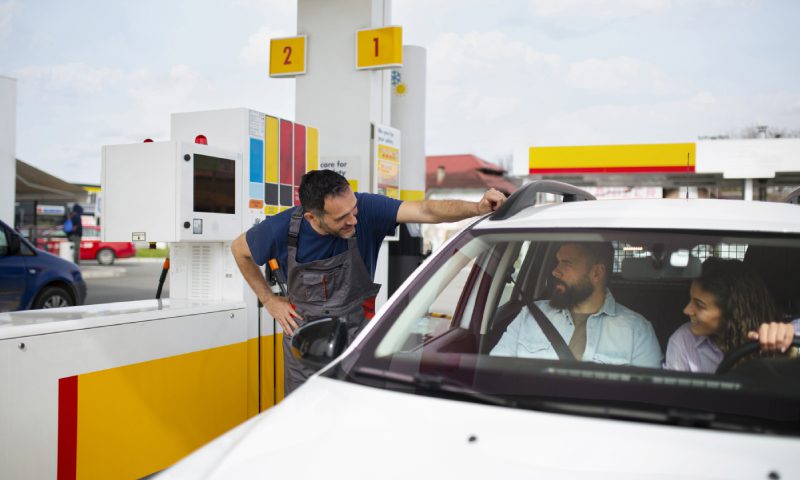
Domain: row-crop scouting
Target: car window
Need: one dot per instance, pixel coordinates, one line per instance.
(3, 242)
(468, 316)
(435, 309)
(25, 250)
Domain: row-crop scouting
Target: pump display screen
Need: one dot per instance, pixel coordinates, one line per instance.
(214, 184)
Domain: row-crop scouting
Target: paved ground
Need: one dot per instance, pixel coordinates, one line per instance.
(128, 279)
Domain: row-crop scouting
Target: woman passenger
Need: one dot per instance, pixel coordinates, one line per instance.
(728, 306)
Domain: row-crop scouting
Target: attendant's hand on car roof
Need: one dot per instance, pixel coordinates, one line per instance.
(491, 201)
(773, 336)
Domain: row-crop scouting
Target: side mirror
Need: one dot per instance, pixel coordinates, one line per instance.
(318, 342)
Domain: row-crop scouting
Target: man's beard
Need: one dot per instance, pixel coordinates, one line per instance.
(572, 294)
(341, 233)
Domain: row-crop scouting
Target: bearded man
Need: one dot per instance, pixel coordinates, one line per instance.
(584, 313)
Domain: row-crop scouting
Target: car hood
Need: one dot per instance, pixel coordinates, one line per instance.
(333, 429)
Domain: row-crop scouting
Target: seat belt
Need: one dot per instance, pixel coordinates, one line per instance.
(555, 339)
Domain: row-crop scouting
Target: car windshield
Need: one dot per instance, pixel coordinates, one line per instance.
(616, 303)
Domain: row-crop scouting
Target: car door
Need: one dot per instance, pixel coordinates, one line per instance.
(13, 273)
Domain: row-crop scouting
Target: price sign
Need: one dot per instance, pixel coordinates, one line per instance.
(287, 56)
(379, 48)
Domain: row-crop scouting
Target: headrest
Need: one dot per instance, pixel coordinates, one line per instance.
(778, 267)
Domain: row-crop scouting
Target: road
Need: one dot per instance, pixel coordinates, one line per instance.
(126, 280)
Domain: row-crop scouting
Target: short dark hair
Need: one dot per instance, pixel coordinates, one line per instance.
(316, 185)
(598, 252)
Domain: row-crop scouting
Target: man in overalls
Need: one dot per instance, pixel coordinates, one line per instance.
(329, 247)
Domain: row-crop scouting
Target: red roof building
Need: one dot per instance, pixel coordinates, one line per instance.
(465, 172)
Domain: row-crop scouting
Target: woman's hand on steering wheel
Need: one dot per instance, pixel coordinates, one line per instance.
(773, 337)
(733, 357)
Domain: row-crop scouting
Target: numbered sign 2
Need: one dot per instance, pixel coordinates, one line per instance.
(379, 48)
(287, 56)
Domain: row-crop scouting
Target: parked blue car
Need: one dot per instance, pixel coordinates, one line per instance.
(33, 278)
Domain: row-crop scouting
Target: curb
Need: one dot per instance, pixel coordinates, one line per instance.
(139, 260)
(102, 272)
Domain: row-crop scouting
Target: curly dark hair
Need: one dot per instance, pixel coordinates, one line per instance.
(316, 185)
(742, 297)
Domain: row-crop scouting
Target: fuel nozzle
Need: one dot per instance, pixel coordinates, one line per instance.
(162, 278)
(277, 274)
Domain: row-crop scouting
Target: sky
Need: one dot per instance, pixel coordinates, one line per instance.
(502, 76)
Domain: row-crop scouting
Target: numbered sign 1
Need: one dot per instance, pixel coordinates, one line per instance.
(379, 48)
(287, 56)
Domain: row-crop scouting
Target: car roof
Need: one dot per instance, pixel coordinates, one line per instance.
(659, 214)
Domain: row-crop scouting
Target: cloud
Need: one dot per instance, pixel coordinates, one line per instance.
(256, 50)
(619, 74)
(681, 119)
(73, 82)
(7, 13)
(478, 81)
(77, 78)
(598, 8)
(453, 56)
(179, 89)
(704, 100)
(610, 9)
(274, 7)
(102, 106)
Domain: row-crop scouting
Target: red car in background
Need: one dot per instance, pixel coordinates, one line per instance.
(92, 247)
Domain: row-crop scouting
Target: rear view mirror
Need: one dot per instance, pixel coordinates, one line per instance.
(318, 342)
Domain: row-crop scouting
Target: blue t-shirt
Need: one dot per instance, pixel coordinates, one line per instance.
(377, 217)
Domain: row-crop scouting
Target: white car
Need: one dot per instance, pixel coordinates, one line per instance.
(418, 394)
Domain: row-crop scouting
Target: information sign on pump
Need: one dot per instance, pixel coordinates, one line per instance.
(386, 162)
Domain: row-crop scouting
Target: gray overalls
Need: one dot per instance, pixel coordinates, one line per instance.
(331, 287)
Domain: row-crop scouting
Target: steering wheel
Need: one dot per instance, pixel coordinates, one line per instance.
(744, 349)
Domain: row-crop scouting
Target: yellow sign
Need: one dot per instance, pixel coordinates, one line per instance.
(647, 158)
(379, 48)
(412, 195)
(386, 152)
(287, 56)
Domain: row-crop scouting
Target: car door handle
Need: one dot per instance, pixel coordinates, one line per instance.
(33, 271)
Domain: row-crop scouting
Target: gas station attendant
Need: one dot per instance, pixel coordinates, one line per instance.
(328, 249)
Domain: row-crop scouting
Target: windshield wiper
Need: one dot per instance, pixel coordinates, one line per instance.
(670, 416)
(433, 383)
(679, 417)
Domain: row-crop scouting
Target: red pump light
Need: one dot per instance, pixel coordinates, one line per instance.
(201, 139)
(148, 140)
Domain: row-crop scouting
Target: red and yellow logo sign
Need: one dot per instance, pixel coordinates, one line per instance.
(649, 158)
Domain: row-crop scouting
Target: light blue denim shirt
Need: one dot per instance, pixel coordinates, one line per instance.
(697, 353)
(614, 335)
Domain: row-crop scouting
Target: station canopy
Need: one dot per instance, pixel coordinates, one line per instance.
(36, 185)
